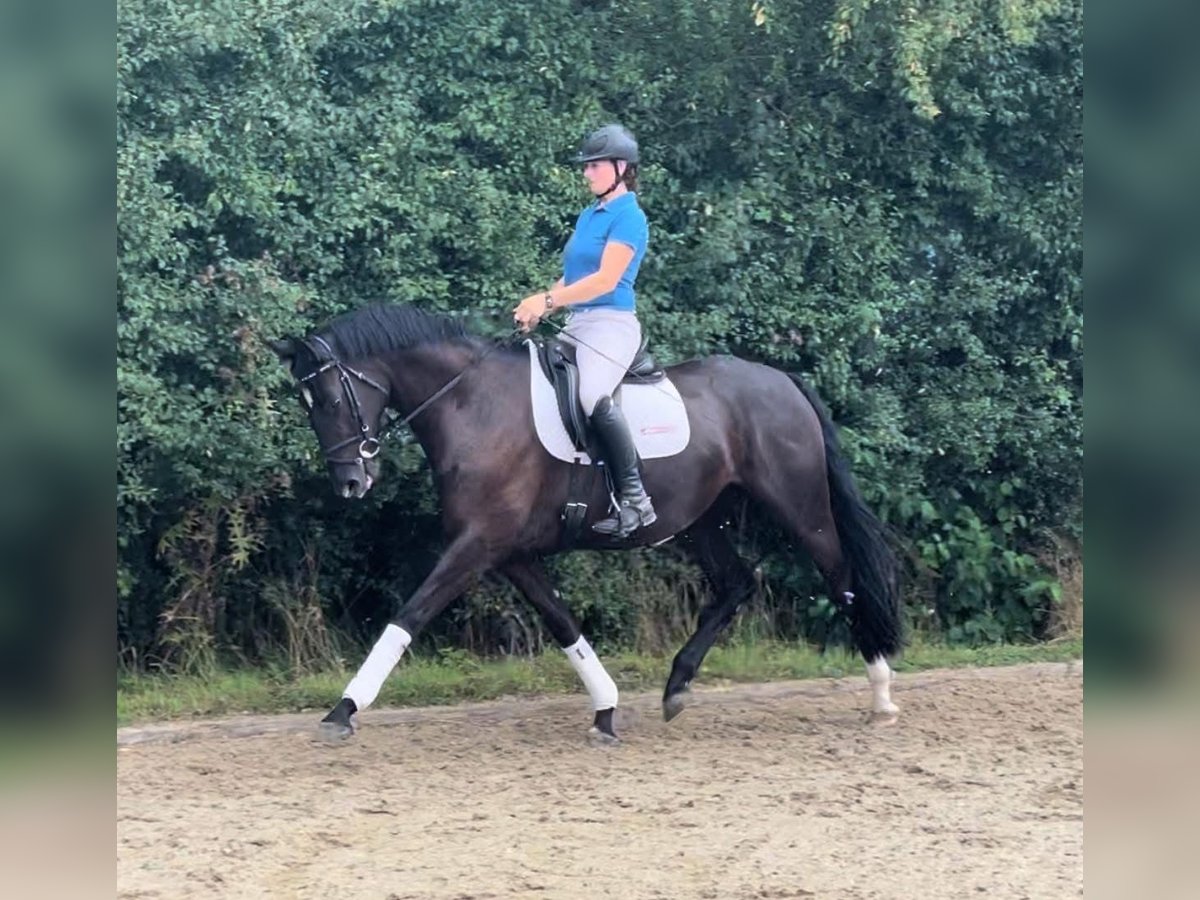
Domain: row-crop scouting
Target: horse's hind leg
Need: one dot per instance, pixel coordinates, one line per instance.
(732, 583)
(810, 519)
(825, 548)
(530, 578)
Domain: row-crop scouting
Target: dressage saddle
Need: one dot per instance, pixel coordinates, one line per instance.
(557, 358)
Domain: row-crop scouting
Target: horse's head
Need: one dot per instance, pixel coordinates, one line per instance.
(344, 406)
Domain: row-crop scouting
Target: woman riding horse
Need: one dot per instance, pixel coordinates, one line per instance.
(600, 266)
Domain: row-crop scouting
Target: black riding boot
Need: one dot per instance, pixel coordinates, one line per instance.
(616, 443)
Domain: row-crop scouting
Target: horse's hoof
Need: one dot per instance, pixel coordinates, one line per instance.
(338, 725)
(674, 705)
(602, 738)
(334, 732)
(885, 716)
(602, 731)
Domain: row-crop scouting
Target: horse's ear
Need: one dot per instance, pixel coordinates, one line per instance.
(286, 349)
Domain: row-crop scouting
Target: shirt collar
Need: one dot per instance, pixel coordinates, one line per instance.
(614, 205)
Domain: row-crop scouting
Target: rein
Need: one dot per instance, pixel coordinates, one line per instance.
(400, 421)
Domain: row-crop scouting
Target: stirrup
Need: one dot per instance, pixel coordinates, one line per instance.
(629, 518)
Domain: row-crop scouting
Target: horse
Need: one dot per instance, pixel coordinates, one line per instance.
(754, 430)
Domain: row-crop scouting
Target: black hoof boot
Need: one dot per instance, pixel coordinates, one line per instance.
(602, 731)
(337, 726)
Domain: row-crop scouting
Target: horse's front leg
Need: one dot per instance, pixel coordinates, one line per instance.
(467, 557)
(530, 578)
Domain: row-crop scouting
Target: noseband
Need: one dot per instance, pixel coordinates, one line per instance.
(368, 447)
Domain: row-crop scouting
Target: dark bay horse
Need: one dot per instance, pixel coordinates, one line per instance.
(752, 427)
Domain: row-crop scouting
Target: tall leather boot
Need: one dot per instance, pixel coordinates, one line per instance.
(616, 443)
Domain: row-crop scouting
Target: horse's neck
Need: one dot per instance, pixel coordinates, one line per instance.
(419, 372)
(438, 427)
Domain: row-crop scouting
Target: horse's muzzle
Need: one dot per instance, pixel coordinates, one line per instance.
(353, 480)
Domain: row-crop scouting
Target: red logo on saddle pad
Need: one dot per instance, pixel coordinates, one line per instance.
(657, 429)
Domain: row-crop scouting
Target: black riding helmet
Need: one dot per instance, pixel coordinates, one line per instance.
(610, 142)
(614, 143)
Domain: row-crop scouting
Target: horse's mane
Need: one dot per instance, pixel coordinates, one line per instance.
(386, 327)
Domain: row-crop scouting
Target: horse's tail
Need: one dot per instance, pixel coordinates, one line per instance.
(875, 609)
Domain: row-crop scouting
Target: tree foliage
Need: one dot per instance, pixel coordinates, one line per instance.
(882, 195)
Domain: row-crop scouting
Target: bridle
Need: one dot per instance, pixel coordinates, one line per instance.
(369, 447)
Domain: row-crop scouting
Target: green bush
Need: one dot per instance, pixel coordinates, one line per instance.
(889, 205)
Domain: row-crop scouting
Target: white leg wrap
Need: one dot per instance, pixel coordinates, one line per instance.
(599, 684)
(364, 687)
(880, 676)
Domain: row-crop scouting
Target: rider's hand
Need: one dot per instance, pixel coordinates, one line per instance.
(529, 311)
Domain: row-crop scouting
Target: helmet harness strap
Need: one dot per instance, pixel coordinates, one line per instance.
(616, 179)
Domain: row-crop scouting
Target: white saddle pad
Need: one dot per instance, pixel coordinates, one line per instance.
(655, 412)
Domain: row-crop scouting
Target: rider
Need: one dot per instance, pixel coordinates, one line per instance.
(600, 265)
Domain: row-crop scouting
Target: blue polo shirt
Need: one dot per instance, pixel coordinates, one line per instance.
(619, 220)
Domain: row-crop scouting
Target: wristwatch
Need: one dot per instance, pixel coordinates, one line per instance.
(549, 300)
